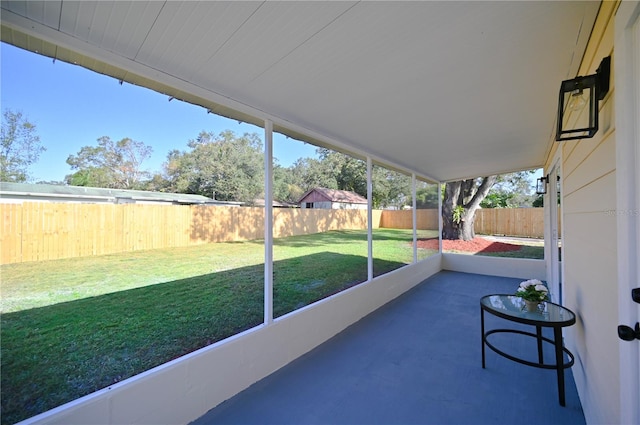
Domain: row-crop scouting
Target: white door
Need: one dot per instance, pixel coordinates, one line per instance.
(627, 104)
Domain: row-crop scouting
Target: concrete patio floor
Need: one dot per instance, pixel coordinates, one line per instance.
(416, 360)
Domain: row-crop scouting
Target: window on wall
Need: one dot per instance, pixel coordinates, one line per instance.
(319, 251)
(393, 237)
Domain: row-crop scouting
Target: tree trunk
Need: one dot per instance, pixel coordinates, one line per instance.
(467, 231)
(463, 230)
(450, 229)
(461, 194)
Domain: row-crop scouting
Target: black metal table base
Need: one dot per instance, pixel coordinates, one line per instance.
(540, 339)
(559, 351)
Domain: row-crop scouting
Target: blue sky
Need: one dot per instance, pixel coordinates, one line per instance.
(72, 107)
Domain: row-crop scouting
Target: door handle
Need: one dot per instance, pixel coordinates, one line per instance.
(626, 333)
(635, 295)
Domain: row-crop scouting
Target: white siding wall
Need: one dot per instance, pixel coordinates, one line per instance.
(328, 205)
(589, 246)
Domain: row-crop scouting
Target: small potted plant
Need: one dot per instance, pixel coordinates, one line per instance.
(533, 292)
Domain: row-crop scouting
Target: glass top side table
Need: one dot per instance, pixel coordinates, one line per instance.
(511, 307)
(548, 314)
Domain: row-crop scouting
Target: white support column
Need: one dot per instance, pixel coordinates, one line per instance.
(268, 222)
(369, 219)
(414, 218)
(440, 217)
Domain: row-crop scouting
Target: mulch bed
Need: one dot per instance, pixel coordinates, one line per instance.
(473, 246)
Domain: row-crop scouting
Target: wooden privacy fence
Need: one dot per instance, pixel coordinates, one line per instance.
(525, 222)
(425, 219)
(35, 231)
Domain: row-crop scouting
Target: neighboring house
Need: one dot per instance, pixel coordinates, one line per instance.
(24, 192)
(332, 199)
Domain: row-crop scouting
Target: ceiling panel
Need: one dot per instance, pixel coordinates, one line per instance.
(44, 12)
(263, 40)
(482, 82)
(442, 89)
(187, 35)
(120, 29)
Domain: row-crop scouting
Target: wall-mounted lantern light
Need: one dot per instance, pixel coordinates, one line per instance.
(541, 185)
(578, 103)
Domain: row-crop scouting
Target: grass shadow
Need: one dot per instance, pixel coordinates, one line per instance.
(55, 354)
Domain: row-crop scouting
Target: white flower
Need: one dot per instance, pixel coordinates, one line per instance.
(541, 288)
(530, 282)
(532, 290)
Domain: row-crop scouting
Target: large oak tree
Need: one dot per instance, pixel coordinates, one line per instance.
(462, 199)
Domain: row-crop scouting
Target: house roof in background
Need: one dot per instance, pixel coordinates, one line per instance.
(278, 204)
(81, 192)
(442, 89)
(335, 195)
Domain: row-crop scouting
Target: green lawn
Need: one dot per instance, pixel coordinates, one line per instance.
(527, 251)
(530, 248)
(71, 327)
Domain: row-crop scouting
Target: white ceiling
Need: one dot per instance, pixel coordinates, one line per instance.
(446, 90)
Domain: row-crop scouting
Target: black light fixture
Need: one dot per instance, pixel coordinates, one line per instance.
(578, 103)
(541, 185)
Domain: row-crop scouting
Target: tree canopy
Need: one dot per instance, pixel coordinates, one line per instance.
(335, 170)
(230, 167)
(20, 147)
(511, 190)
(224, 167)
(110, 164)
